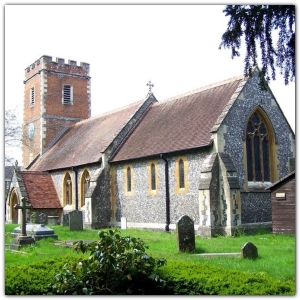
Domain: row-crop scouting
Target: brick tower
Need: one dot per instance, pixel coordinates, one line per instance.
(56, 94)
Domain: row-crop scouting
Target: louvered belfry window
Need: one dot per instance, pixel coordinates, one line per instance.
(257, 145)
(31, 100)
(67, 94)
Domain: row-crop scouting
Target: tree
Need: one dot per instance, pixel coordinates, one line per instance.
(258, 24)
(12, 134)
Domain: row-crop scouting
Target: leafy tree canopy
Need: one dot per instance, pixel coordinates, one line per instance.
(257, 24)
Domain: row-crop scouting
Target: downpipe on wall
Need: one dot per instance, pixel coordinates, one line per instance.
(76, 187)
(167, 228)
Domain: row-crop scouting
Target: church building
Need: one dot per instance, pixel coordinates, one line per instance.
(210, 154)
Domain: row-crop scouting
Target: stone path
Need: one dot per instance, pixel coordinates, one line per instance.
(237, 254)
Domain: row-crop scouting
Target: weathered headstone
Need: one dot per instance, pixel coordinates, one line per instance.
(53, 220)
(65, 221)
(185, 234)
(249, 251)
(123, 223)
(41, 218)
(22, 239)
(75, 220)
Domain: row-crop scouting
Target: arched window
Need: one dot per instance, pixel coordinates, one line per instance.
(128, 179)
(259, 143)
(153, 177)
(85, 184)
(181, 174)
(67, 190)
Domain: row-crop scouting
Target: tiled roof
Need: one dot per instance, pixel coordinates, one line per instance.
(84, 142)
(40, 189)
(182, 122)
(9, 171)
(282, 180)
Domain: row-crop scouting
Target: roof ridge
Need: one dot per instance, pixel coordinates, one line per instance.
(110, 112)
(204, 88)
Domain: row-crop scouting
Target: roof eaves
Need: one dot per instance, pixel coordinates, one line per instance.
(164, 153)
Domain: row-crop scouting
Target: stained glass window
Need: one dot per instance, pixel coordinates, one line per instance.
(257, 147)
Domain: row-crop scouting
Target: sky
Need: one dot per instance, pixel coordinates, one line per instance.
(176, 47)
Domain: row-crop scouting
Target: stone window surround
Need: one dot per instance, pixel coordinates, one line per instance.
(131, 192)
(179, 190)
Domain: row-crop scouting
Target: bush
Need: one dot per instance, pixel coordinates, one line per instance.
(33, 279)
(116, 265)
(190, 278)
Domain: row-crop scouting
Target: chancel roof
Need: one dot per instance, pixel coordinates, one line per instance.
(84, 142)
(40, 189)
(179, 123)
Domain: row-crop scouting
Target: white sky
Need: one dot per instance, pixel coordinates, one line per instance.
(174, 46)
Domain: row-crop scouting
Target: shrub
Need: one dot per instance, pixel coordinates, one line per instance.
(32, 279)
(190, 278)
(116, 265)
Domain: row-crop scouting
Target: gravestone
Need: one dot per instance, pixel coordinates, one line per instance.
(185, 234)
(65, 221)
(75, 220)
(123, 223)
(249, 251)
(22, 239)
(53, 220)
(37, 231)
(41, 218)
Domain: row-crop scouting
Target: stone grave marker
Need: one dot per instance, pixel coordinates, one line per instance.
(22, 239)
(75, 220)
(53, 220)
(123, 223)
(37, 231)
(65, 221)
(185, 234)
(249, 251)
(41, 218)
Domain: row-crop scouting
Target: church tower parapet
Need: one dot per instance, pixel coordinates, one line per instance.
(56, 95)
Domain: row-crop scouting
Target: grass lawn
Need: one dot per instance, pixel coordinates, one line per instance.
(276, 253)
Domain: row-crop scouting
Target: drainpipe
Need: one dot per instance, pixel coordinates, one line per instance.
(167, 193)
(76, 187)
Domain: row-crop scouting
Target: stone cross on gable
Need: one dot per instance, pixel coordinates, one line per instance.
(23, 207)
(151, 85)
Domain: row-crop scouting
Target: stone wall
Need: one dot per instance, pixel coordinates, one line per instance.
(256, 206)
(143, 210)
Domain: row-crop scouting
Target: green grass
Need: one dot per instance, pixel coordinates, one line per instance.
(276, 253)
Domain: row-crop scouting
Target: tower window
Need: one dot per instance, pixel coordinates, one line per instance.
(67, 94)
(31, 97)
